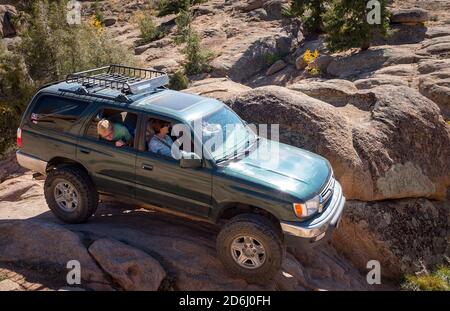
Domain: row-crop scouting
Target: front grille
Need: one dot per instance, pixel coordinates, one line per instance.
(327, 192)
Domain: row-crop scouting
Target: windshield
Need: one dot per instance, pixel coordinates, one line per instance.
(224, 134)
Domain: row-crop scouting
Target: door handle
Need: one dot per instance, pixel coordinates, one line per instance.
(147, 167)
(85, 151)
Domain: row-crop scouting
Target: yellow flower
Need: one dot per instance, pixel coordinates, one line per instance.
(309, 57)
(96, 23)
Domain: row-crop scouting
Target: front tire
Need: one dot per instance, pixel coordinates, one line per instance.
(70, 194)
(250, 247)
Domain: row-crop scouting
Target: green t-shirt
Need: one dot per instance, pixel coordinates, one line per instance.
(121, 133)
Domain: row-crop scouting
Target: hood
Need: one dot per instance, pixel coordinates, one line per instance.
(284, 168)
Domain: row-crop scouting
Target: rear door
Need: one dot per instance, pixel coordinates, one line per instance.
(112, 168)
(160, 180)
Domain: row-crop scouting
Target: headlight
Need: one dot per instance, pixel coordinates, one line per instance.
(308, 208)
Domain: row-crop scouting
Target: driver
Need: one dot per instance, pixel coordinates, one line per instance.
(161, 143)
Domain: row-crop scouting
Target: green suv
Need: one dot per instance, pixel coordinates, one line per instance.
(98, 133)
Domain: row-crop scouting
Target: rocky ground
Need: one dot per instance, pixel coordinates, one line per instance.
(380, 116)
(125, 248)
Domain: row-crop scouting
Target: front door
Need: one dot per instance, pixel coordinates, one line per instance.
(160, 180)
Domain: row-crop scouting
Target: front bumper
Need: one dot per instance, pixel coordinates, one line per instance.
(318, 229)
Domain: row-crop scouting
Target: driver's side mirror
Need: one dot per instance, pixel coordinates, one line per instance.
(190, 160)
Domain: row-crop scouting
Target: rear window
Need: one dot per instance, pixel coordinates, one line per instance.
(57, 113)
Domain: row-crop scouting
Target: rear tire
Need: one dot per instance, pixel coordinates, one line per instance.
(70, 194)
(249, 246)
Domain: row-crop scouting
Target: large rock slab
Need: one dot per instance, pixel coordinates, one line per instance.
(370, 60)
(370, 83)
(251, 54)
(131, 268)
(398, 145)
(275, 8)
(434, 82)
(403, 70)
(382, 148)
(250, 5)
(219, 88)
(325, 263)
(47, 245)
(397, 75)
(414, 15)
(438, 47)
(402, 34)
(277, 66)
(336, 92)
(433, 65)
(435, 32)
(400, 234)
(436, 86)
(9, 286)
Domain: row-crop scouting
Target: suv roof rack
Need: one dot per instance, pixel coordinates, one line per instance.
(127, 80)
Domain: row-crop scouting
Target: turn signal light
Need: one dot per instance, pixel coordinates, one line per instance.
(299, 210)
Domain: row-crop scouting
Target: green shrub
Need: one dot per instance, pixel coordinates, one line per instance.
(436, 281)
(97, 13)
(16, 87)
(184, 21)
(346, 26)
(9, 121)
(49, 50)
(344, 22)
(166, 7)
(149, 31)
(197, 58)
(271, 58)
(16, 90)
(310, 12)
(178, 81)
(52, 48)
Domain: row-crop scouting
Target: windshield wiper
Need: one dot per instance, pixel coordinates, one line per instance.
(240, 153)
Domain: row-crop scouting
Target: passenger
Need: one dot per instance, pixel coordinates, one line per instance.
(161, 143)
(114, 132)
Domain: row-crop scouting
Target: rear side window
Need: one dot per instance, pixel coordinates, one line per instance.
(57, 113)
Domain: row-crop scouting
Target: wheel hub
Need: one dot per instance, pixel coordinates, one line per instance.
(248, 252)
(66, 196)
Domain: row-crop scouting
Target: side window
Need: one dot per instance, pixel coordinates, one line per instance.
(159, 136)
(113, 125)
(57, 113)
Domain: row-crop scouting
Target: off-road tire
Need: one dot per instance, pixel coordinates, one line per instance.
(88, 200)
(264, 231)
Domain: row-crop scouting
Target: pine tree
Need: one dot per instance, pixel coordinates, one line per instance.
(310, 12)
(52, 48)
(166, 7)
(346, 24)
(183, 21)
(197, 58)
